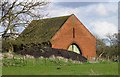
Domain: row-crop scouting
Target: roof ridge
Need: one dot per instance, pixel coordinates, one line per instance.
(54, 17)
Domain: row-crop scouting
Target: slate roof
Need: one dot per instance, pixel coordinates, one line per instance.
(43, 30)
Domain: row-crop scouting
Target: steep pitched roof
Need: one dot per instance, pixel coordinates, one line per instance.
(42, 30)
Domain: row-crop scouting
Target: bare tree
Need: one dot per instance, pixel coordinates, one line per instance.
(16, 13)
(108, 52)
(113, 38)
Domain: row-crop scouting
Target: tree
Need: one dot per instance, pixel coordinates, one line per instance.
(19, 13)
(113, 38)
(108, 52)
(100, 47)
(113, 48)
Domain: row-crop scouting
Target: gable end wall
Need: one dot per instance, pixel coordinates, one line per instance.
(85, 40)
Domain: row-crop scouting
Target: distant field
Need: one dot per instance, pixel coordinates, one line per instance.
(50, 67)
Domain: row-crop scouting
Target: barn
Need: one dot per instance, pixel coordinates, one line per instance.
(64, 32)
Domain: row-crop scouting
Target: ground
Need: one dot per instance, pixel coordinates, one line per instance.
(60, 67)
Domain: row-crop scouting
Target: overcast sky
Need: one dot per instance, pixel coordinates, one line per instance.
(101, 18)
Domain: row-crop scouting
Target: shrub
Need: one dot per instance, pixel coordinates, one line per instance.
(14, 62)
(7, 45)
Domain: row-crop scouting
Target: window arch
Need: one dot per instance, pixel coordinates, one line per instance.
(75, 48)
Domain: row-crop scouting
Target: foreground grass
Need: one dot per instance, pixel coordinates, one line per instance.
(50, 67)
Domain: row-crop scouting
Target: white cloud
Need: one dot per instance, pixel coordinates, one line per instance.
(60, 11)
(85, 0)
(101, 9)
(102, 16)
(102, 28)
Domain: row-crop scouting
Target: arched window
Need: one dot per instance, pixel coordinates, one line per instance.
(75, 48)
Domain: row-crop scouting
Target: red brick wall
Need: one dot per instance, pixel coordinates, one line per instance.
(83, 38)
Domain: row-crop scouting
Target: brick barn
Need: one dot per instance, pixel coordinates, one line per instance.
(65, 32)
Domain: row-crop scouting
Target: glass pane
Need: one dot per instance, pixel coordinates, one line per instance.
(74, 48)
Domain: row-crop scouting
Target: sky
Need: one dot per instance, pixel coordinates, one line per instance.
(100, 18)
(85, 0)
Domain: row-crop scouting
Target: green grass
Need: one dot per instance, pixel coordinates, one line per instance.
(0, 70)
(54, 67)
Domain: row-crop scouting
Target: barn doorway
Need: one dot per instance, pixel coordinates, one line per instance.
(75, 48)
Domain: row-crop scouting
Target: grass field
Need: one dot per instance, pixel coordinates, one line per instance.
(53, 67)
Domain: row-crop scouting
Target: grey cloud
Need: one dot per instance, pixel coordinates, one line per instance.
(74, 4)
